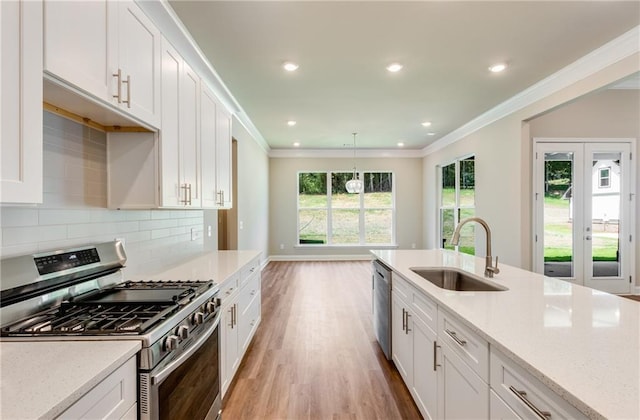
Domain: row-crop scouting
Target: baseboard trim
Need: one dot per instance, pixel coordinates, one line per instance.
(637, 290)
(359, 257)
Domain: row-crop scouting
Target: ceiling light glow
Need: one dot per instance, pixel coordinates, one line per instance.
(497, 68)
(431, 133)
(394, 67)
(426, 123)
(400, 144)
(296, 144)
(291, 123)
(290, 66)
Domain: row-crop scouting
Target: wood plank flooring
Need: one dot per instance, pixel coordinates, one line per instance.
(314, 355)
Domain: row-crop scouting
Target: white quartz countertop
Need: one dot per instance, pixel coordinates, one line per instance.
(216, 266)
(582, 343)
(40, 380)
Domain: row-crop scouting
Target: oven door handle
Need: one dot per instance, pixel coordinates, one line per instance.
(164, 373)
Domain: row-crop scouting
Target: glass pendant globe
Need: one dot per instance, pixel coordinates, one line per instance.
(354, 186)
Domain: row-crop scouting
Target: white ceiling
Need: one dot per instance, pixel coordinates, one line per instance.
(342, 48)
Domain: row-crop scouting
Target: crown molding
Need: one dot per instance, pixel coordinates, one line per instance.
(172, 28)
(598, 59)
(344, 153)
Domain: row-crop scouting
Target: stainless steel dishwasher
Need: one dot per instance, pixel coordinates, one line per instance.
(381, 276)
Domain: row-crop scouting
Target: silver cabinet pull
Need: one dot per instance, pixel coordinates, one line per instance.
(408, 329)
(189, 194)
(128, 82)
(435, 356)
(404, 321)
(184, 187)
(453, 335)
(118, 75)
(522, 396)
(231, 314)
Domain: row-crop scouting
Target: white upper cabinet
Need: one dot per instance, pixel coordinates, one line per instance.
(21, 102)
(223, 157)
(111, 51)
(208, 107)
(138, 65)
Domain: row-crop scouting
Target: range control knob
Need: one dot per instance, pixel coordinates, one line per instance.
(171, 343)
(183, 331)
(211, 307)
(197, 318)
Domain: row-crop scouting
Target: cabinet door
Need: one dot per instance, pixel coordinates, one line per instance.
(78, 53)
(189, 134)
(401, 341)
(139, 51)
(425, 375)
(223, 156)
(499, 409)
(208, 147)
(21, 102)
(229, 345)
(169, 134)
(462, 394)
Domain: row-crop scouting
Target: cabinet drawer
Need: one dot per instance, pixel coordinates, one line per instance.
(249, 322)
(525, 394)
(401, 287)
(229, 286)
(467, 344)
(112, 398)
(249, 292)
(425, 309)
(248, 270)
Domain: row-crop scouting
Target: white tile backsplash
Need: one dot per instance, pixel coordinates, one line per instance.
(74, 209)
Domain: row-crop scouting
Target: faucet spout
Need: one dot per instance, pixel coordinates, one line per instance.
(489, 268)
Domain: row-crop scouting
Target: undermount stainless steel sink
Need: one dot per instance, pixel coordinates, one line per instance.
(455, 279)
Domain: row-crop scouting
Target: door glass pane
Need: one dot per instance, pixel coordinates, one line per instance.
(447, 223)
(558, 214)
(605, 214)
(467, 182)
(449, 185)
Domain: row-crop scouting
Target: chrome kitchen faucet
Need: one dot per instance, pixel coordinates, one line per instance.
(489, 269)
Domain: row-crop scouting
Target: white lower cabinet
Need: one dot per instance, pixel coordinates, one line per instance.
(499, 410)
(462, 394)
(113, 398)
(241, 314)
(525, 395)
(453, 373)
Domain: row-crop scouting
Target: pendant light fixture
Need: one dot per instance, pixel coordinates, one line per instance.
(354, 185)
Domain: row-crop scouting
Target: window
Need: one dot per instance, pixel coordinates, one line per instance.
(605, 174)
(328, 215)
(457, 202)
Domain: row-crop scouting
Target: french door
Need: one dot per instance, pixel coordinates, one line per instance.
(583, 215)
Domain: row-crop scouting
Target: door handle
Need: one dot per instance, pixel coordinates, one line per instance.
(588, 237)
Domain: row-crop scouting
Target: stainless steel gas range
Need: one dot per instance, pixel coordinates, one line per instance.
(79, 294)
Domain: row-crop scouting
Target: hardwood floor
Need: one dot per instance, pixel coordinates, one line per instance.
(314, 355)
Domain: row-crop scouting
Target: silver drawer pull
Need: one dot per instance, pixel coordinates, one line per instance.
(453, 335)
(522, 395)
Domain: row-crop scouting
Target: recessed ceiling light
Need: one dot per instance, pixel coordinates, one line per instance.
(296, 144)
(394, 67)
(431, 133)
(291, 123)
(497, 68)
(400, 144)
(426, 123)
(290, 66)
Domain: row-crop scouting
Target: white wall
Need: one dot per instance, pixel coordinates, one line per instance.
(504, 168)
(74, 209)
(283, 173)
(253, 192)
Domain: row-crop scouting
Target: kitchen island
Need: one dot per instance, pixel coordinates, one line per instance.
(581, 343)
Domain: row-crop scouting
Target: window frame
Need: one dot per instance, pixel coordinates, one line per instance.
(361, 211)
(601, 178)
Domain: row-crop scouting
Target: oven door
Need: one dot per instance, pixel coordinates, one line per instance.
(189, 387)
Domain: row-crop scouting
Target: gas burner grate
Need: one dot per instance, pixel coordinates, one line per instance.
(74, 319)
